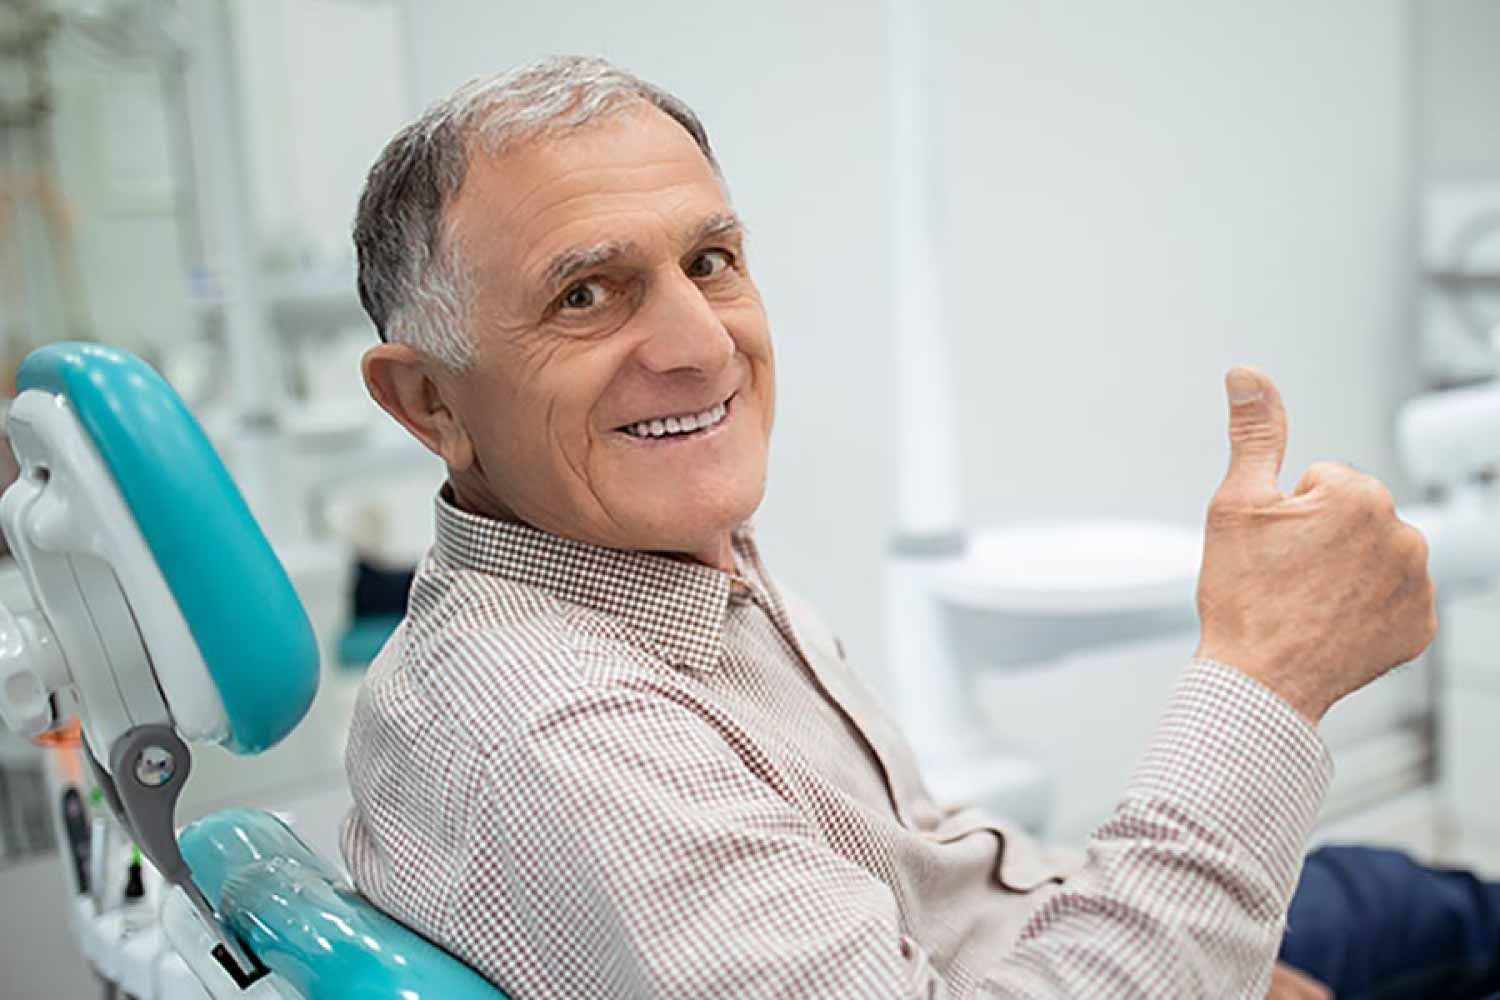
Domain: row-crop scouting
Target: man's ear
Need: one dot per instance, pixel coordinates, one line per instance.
(406, 384)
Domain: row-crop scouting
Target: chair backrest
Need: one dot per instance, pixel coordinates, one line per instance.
(245, 619)
(295, 913)
(189, 621)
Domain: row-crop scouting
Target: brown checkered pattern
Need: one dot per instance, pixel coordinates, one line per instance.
(593, 773)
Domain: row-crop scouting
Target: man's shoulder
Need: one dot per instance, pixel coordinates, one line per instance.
(480, 655)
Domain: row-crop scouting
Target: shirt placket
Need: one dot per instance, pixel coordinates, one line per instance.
(902, 786)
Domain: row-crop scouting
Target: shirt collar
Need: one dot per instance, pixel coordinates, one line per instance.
(674, 607)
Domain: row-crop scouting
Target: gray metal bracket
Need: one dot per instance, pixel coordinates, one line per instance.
(151, 764)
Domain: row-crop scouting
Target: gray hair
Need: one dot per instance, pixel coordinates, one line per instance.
(412, 279)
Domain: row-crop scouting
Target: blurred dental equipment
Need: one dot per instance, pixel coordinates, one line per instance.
(1459, 293)
(139, 628)
(110, 619)
(152, 105)
(1449, 440)
(1449, 443)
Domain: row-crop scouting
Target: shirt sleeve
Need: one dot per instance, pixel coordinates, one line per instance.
(1187, 884)
(643, 851)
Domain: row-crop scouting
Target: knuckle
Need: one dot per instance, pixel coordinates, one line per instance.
(1326, 472)
(1422, 550)
(1371, 493)
(1422, 640)
(1424, 625)
(1412, 544)
(1222, 508)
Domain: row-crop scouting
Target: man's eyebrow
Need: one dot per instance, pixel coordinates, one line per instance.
(581, 258)
(717, 225)
(576, 259)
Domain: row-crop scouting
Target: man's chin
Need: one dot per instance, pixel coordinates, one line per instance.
(696, 531)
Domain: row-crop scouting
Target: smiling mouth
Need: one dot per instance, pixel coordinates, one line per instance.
(680, 426)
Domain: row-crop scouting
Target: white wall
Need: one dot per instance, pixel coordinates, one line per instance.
(1142, 195)
(323, 87)
(1458, 66)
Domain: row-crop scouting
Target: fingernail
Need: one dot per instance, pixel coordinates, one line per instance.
(1243, 386)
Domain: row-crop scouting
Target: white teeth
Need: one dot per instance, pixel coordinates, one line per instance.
(679, 425)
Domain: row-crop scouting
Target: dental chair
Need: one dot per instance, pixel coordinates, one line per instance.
(162, 619)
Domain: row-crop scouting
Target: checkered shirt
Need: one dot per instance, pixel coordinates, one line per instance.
(593, 774)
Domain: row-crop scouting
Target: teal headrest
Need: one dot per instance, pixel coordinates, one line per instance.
(292, 911)
(232, 591)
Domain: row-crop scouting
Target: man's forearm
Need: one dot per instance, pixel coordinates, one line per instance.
(1187, 884)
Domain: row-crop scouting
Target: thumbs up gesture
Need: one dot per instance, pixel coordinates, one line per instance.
(1313, 593)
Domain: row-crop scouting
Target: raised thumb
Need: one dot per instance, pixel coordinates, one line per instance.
(1257, 434)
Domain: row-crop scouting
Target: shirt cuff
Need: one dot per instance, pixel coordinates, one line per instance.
(1235, 753)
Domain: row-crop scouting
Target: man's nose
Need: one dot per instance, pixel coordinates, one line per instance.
(684, 333)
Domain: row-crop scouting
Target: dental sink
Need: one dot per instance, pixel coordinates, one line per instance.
(1028, 592)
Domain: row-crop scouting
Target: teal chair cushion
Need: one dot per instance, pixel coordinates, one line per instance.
(233, 593)
(364, 638)
(319, 935)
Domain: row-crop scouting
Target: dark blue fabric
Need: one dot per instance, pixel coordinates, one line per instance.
(379, 591)
(1375, 925)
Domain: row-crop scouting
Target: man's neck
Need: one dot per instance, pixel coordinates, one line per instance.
(717, 553)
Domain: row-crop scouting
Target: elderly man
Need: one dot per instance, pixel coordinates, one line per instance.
(606, 755)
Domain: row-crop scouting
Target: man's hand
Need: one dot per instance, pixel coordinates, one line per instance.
(1289, 984)
(1316, 593)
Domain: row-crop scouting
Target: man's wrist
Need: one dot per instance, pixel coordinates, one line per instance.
(1237, 755)
(1289, 686)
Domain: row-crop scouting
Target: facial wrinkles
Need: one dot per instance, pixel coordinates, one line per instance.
(570, 370)
(583, 181)
(588, 482)
(534, 349)
(534, 356)
(662, 202)
(579, 461)
(578, 468)
(558, 182)
(614, 254)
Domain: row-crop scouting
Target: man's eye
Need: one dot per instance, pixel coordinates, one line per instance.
(584, 295)
(709, 263)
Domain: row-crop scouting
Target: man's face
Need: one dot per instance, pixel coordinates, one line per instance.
(612, 301)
